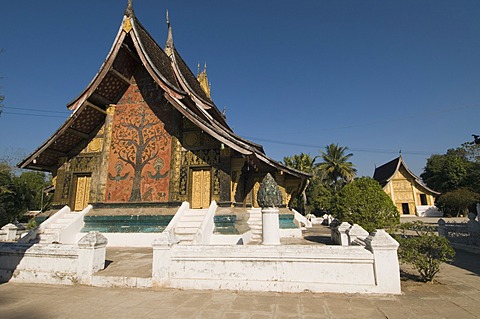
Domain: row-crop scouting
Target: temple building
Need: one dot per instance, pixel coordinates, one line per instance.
(408, 193)
(146, 133)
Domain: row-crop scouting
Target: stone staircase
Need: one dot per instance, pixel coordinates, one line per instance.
(255, 224)
(52, 232)
(189, 224)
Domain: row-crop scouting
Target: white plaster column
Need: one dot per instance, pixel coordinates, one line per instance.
(162, 258)
(10, 232)
(387, 270)
(442, 231)
(91, 255)
(342, 236)
(270, 226)
(356, 231)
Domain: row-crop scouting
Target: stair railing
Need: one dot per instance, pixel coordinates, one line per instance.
(176, 218)
(33, 233)
(205, 231)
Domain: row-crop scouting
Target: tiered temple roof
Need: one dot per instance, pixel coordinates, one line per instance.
(133, 46)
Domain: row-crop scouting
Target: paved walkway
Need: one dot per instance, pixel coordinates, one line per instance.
(455, 295)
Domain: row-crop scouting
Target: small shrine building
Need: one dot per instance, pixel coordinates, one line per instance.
(408, 193)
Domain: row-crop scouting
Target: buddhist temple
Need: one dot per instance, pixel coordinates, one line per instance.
(145, 133)
(408, 193)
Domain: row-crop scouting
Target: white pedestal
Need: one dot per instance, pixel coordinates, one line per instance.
(270, 226)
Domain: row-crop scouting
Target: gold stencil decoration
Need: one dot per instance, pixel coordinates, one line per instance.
(191, 139)
(127, 25)
(95, 145)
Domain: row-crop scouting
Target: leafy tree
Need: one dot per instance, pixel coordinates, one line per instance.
(19, 193)
(364, 202)
(457, 202)
(7, 193)
(305, 163)
(472, 152)
(302, 162)
(425, 251)
(319, 197)
(447, 172)
(33, 183)
(456, 169)
(335, 169)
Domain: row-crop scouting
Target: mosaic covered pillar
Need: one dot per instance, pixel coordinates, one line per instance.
(107, 139)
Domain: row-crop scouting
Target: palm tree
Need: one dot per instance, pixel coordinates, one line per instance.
(335, 169)
(302, 162)
(305, 163)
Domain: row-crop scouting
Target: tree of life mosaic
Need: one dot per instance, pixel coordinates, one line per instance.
(140, 156)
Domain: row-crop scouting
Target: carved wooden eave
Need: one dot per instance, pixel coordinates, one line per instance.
(74, 134)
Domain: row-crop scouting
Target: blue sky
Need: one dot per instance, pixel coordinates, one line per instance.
(376, 76)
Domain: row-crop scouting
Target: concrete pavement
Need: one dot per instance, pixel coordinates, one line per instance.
(456, 294)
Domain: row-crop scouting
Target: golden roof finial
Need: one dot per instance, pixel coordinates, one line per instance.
(169, 43)
(129, 9)
(203, 80)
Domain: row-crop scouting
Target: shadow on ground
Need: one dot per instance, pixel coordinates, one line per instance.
(467, 261)
(319, 239)
(409, 275)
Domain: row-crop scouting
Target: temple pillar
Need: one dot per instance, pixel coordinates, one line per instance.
(105, 155)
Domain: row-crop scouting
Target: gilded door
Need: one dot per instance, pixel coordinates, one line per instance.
(201, 188)
(82, 192)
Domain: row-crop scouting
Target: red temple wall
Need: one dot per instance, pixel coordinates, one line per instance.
(140, 152)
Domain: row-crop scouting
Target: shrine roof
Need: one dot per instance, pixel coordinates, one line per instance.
(191, 79)
(157, 56)
(383, 174)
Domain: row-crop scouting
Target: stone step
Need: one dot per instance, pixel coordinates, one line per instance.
(195, 212)
(185, 237)
(188, 224)
(193, 218)
(121, 282)
(186, 230)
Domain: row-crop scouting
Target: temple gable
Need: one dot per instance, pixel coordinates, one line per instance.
(140, 153)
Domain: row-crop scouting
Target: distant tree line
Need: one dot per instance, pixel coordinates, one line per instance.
(21, 192)
(456, 174)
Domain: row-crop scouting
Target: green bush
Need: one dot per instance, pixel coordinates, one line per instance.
(364, 202)
(32, 223)
(425, 250)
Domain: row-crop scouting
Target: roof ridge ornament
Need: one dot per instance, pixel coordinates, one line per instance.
(169, 42)
(202, 78)
(129, 10)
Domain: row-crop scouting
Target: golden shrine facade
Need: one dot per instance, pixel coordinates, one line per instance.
(406, 190)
